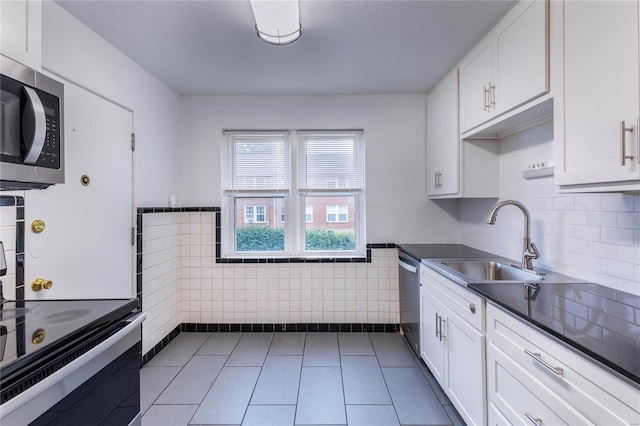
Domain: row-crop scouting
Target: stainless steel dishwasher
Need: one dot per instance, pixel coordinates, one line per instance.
(409, 283)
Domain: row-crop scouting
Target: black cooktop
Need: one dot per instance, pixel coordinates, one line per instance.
(32, 329)
(599, 321)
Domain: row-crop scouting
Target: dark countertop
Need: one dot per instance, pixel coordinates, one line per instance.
(442, 251)
(599, 321)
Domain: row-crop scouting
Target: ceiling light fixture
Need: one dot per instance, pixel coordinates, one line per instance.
(277, 21)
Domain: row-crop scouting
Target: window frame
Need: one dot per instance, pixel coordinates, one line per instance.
(255, 214)
(338, 211)
(293, 199)
(308, 212)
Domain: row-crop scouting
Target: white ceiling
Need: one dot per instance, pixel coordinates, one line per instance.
(347, 47)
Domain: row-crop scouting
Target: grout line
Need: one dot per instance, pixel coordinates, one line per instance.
(449, 409)
(385, 380)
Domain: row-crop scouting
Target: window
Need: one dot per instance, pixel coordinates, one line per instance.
(338, 213)
(259, 194)
(331, 176)
(254, 214)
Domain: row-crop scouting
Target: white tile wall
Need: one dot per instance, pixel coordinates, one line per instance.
(252, 293)
(590, 236)
(8, 238)
(160, 276)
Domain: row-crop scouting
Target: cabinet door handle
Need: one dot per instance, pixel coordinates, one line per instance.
(623, 139)
(435, 180)
(492, 95)
(486, 98)
(534, 420)
(437, 323)
(442, 320)
(538, 358)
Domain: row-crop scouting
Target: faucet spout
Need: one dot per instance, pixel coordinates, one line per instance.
(529, 249)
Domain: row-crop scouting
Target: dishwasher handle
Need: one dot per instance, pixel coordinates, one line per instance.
(405, 265)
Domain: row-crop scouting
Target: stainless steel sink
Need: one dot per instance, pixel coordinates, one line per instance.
(489, 270)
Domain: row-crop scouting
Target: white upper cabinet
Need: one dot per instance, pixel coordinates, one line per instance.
(21, 31)
(597, 140)
(443, 138)
(476, 76)
(508, 68)
(455, 168)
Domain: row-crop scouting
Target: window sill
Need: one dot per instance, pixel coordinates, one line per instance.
(262, 260)
(326, 259)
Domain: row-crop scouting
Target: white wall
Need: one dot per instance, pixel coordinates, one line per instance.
(589, 236)
(395, 139)
(72, 51)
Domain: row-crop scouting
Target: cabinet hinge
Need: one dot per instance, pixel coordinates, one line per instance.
(133, 141)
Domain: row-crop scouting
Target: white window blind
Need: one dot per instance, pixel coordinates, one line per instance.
(272, 182)
(330, 161)
(256, 162)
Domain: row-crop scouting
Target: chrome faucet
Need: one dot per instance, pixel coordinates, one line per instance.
(529, 250)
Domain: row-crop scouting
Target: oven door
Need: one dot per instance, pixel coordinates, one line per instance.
(100, 387)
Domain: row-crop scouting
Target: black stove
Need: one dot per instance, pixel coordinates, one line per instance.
(41, 337)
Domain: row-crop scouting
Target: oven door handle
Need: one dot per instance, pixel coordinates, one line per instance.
(33, 402)
(405, 265)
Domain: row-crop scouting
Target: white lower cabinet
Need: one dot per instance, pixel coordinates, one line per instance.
(432, 347)
(534, 379)
(465, 368)
(517, 398)
(498, 369)
(452, 347)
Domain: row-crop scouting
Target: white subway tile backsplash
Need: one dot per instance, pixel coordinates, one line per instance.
(588, 203)
(590, 236)
(618, 269)
(628, 254)
(617, 203)
(628, 220)
(589, 233)
(564, 203)
(602, 219)
(617, 236)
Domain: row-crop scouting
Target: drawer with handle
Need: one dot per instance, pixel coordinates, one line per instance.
(468, 305)
(520, 398)
(595, 392)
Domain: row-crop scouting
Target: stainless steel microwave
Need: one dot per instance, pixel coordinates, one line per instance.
(31, 128)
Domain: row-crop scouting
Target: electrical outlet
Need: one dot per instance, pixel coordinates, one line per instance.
(538, 169)
(538, 165)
